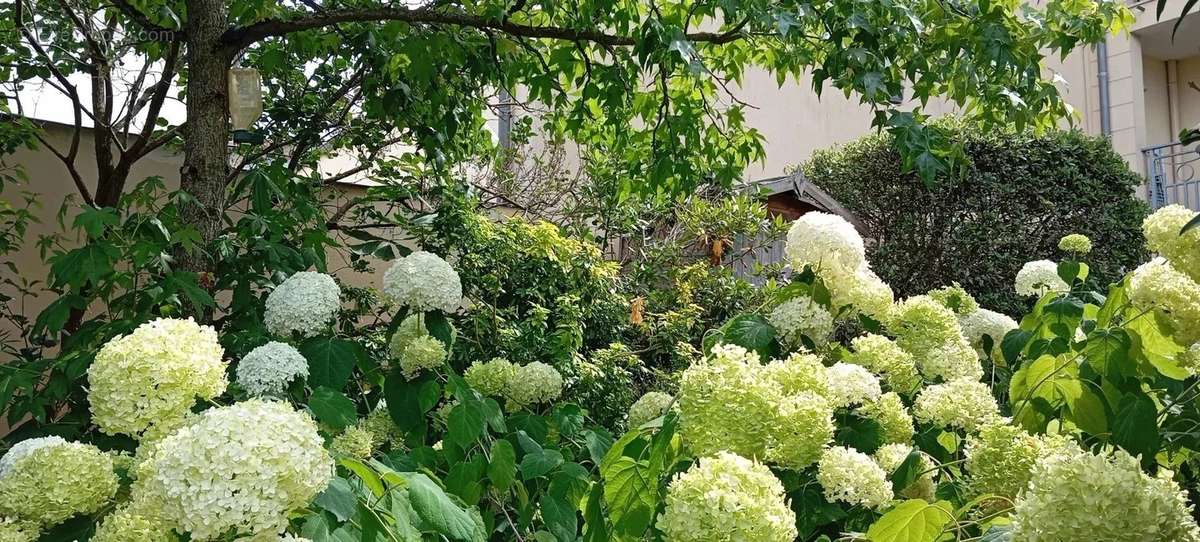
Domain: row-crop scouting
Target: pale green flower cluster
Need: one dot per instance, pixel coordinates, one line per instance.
(851, 476)
(851, 384)
(305, 303)
(1077, 496)
(357, 442)
(929, 331)
(24, 448)
(490, 377)
(1037, 278)
(1176, 297)
(985, 322)
(889, 457)
(12, 530)
(823, 242)
(961, 404)
(240, 469)
(955, 298)
(863, 291)
(134, 522)
(893, 418)
(727, 498)
(803, 426)
(1076, 243)
(799, 372)
(270, 368)
(56, 481)
(1001, 457)
(884, 357)
(1189, 359)
(534, 383)
(649, 407)
(412, 327)
(726, 405)
(421, 354)
(154, 375)
(801, 315)
(1162, 236)
(423, 281)
(381, 426)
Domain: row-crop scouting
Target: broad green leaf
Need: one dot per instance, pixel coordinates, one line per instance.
(752, 332)
(438, 513)
(332, 408)
(559, 517)
(539, 464)
(631, 495)
(1135, 426)
(912, 521)
(1087, 411)
(409, 400)
(330, 360)
(503, 468)
(466, 423)
(338, 499)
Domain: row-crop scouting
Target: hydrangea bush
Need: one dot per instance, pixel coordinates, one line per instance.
(823, 413)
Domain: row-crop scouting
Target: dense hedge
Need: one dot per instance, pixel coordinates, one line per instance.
(1016, 197)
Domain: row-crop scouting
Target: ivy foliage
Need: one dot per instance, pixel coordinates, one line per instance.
(1018, 194)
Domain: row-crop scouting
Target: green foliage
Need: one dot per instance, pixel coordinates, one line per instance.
(1012, 202)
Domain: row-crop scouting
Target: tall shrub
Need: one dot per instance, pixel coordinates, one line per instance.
(1018, 194)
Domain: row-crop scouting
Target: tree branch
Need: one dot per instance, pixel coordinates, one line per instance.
(142, 20)
(242, 37)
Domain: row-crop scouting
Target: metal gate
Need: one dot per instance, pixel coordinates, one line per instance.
(1171, 172)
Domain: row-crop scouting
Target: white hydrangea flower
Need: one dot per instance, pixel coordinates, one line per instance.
(1075, 495)
(491, 377)
(1162, 236)
(885, 358)
(423, 281)
(963, 404)
(24, 448)
(802, 428)
(154, 375)
(851, 384)
(851, 476)
(728, 402)
(534, 383)
(863, 291)
(421, 354)
(53, 483)
(953, 360)
(305, 303)
(799, 372)
(825, 241)
(237, 469)
(648, 407)
(895, 424)
(986, 322)
(1037, 278)
(801, 315)
(1157, 284)
(726, 498)
(270, 368)
(1075, 243)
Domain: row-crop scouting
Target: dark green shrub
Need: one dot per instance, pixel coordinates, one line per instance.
(1018, 194)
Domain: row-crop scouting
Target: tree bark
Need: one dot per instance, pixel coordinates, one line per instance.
(205, 162)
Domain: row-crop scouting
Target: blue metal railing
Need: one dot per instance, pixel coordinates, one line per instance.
(1171, 175)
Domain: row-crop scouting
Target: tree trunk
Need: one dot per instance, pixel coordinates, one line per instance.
(205, 161)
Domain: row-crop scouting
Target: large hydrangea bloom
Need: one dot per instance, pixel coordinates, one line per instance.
(1158, 285)
(1162, 236)
(240, 468)
(727, 498)
(851, 384)
(929, 331)
(863, 291)
(725, 403)
(803, 427)
(801, 315)
(952, 360)
(154, 376)
(1000, 459)
(24, 448)
(490, 377)
(799, 372)
(648, 407)
(895, 424)
(134, 522)
(962, 404)
(12, 530)
(884, 357)
(270, 368)
(305, 303)
(1077, 496)
(421, 354)
(1075, 243)
(54, 482)
(1037, 278)
(850, 476)
(986, 322)
(423, 281)
(825, 241)
(955, 298)
(534, 383)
